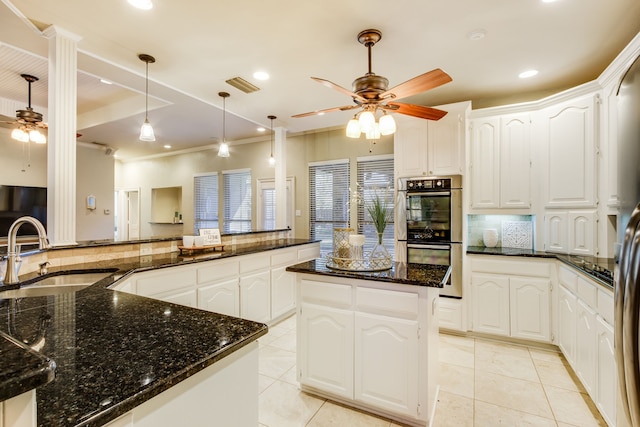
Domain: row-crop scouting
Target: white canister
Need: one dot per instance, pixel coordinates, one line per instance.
(490, 237)
(187, 241)
(356, 241)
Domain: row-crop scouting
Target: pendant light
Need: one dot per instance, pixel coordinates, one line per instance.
(272, 160)
(223, 150)
(146, 131)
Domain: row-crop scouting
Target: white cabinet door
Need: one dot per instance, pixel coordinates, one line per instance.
(283, 292)
(182, 297)
(515, 161)
(607, 375)
(325, 359)
(410, 147)
(567, 316)
(384, 341)
(221, 297)
(255, 296)
(582, 232)
(586, 346)
(568, 132)
(556, 232)
(485, 163)
(446, 141)
(530, 308)
(490, 303)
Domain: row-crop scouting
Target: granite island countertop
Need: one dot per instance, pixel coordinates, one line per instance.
(400, 272)
(114, 350)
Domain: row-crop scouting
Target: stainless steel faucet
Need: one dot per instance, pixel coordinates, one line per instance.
(13, 249)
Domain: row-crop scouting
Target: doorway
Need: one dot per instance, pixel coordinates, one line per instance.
(127, 218)
(266, 212)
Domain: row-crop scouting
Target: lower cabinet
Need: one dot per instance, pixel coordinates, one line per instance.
(221, 297)
(586, 351)
(255, 294)
(369, 347)
(283, 292)
(567, 305)
(605, 395)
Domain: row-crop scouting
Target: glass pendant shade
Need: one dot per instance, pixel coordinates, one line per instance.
(223, 150)
(367, 119)
(387, 125)
(374, 132)
(37, 137)
(20, 135)
(146, 132)
(272, 161)
(353, 129)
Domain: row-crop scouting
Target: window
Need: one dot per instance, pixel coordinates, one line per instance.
(237, 200)
(329, 201)
(266, 203)
(375, 178)
(205, 202)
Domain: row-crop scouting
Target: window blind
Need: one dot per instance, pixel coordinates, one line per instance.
(375, 178)
(328, 201)
(269, 208)
(237, 201)
(205, 202)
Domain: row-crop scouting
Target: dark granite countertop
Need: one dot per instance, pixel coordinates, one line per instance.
(585, 264)
(112, 350)
(400, 272)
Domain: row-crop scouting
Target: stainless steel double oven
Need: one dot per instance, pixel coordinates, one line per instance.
(429, 225)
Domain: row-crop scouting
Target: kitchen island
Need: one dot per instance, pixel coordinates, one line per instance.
(370, 339)
(120, 357)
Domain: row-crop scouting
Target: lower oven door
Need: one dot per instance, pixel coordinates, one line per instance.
(440, 254)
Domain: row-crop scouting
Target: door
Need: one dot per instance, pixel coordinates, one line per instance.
(567, 302)
(266, 213)
(586, 346)
(127, 217)
(283, 292)
(530, 308)
(490, 303)
(222, 297)
(255, 297)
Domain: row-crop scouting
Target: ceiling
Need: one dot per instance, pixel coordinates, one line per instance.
(198, 45)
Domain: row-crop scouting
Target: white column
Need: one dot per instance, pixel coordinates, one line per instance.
(281, 176)
(61, 153)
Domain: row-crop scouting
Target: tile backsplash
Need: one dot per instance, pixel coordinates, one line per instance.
(514, 231)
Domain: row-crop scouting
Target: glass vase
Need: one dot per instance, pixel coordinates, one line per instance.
(379, 255)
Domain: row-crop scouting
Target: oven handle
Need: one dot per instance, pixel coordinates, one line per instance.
(441, 247)
(429, 193)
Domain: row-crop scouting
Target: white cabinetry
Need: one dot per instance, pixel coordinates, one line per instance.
(516, 302)
(369, 345)
(585, 330)
(501, 162)
(573, 232)
(176, 284)
(432, 148)
(218, 290)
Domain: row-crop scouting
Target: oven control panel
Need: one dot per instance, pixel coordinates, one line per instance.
(429, 184)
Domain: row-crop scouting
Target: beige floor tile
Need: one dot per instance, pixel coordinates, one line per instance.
(331, 414)
(264, 382)
(453, 411)
(573, 408)
(546, 355)
(289, 323)
(456, 379)
(283, 405)
(522, 395)
(273, 361)
(273, 334)
(456, 350)
(286, 341)
(558, 375)
(501, 348)
(291, 376)
(489, 415)
(512, 363)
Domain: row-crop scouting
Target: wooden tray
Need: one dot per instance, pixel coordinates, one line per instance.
(195, 249)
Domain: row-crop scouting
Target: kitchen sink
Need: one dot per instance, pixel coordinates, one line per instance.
(54, 285)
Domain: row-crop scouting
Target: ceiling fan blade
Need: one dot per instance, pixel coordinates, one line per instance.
(327, 110)
(339, 88)
(417, 110)
(421, 83)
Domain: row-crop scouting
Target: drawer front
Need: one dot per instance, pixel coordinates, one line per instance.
(605, 305)
(568, 278)
(255, 262)
(503, 265)
(390, 303)
(587, 292)
(323, 293)
(165, 280)
(286, 257)
(309, 252)
(218, 270)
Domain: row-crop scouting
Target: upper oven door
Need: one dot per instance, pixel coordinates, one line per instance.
(429, 216)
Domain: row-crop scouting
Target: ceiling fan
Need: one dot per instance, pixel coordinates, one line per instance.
(370, 93)
(28, 121)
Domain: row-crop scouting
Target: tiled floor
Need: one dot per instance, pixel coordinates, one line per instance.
(482, 384)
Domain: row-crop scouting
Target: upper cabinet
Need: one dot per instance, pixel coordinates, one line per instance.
(500, 165)
(431, 148)
(567, 132)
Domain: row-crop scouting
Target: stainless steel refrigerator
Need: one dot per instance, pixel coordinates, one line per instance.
(627, 276)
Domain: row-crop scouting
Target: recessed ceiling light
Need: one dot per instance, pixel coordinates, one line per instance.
(477, 34)
(261, 75)
(261, 129)
(167, 146)
(549, 1)
(321, 113)
(141, 4)
(107, 82)
(527, 74)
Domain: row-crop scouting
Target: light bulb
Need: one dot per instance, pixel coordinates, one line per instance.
(367, 119)
(387, 125)
(272, 161)
(20, 135)
(223, 150)
(374, 132)
(37, 137)
(146, 132)
(353, 129)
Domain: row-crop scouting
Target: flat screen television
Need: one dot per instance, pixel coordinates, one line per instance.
(17, 201)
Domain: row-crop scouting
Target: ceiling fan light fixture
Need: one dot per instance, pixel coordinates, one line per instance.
(374, 132)
(20, 135)
(37, 137)
(387, 124)
(353, 128)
